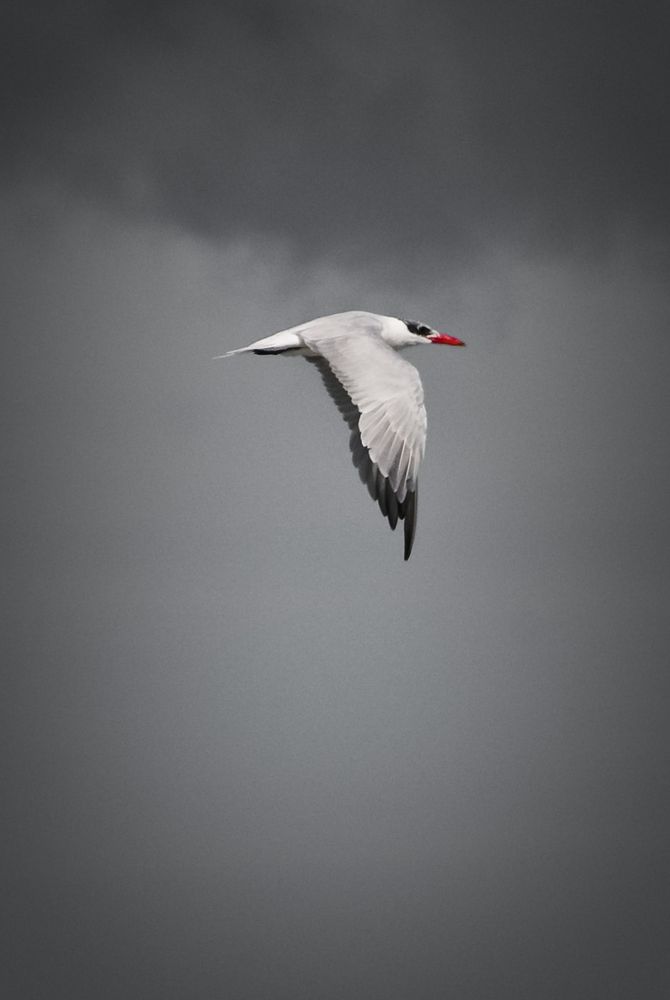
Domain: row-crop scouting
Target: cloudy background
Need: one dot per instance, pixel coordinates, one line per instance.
(248, 752)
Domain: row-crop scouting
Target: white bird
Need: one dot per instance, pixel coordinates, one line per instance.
(379, 395)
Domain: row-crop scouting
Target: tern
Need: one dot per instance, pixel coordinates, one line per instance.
(378, 393)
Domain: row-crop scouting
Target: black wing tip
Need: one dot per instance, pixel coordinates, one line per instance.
(393, 510)
(410, 523)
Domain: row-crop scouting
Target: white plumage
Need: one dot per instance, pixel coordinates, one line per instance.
(378, 393)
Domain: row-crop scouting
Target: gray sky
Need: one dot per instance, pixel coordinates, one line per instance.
(248, 751)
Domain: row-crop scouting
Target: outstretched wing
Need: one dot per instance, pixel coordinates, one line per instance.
(380, 397)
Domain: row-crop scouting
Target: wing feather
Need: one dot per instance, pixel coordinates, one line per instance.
(380, 397)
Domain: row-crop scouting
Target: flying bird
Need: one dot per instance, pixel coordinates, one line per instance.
(378, 393)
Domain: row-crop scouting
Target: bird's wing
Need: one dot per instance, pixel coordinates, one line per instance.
(380, 397)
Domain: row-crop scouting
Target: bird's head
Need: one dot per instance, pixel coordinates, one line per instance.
(421, 330)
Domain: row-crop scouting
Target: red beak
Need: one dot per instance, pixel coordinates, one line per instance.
(444, 338)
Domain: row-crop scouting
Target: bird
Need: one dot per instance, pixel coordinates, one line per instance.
(378, 394)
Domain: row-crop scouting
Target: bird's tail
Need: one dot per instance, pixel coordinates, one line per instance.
(229, 354)
(287, 340)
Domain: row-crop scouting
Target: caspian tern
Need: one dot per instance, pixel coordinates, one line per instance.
(379, 395)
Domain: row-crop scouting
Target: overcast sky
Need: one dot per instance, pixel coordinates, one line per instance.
(249, 752)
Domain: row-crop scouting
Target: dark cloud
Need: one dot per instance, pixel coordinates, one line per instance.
(352, 129)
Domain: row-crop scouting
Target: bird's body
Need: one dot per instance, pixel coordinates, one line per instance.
(378, 393)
